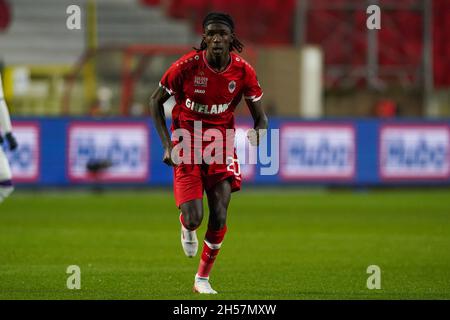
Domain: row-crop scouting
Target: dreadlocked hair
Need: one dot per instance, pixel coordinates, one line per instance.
(218, 17)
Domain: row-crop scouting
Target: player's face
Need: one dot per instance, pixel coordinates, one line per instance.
(218, 37)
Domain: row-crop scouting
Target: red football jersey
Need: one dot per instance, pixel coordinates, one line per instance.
(203, 94)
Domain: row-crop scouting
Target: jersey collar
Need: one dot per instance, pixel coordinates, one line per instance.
(212, 69)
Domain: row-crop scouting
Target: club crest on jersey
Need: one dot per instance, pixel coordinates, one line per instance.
(231, 86)
(200, 81)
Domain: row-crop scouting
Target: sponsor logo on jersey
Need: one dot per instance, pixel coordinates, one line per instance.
(232, 86)
(414, 152)
(318, 151)
(199, 91)
(204, 108)
(200, 81)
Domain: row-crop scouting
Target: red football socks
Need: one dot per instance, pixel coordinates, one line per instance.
(211, 247)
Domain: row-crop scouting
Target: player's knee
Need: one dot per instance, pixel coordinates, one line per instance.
(5, 192)
(192, 223)
(192, 217)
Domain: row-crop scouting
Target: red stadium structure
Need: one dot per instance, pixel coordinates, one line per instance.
(339, 27)
(5, 15)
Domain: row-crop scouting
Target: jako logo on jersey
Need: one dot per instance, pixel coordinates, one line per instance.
(414, 152)
(204, 108)
(199, 91)
(200, 81)
(231, 86)
(318, 151)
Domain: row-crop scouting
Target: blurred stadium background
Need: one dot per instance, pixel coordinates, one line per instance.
(356, 108)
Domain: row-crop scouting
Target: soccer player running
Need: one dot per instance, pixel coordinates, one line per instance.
(6, 186)
(207, 83)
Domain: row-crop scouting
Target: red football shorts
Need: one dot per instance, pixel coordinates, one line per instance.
(191, 180)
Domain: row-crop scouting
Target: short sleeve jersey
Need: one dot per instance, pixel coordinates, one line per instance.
(203, 94)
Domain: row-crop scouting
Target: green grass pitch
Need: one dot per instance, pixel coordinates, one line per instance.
(281, 244)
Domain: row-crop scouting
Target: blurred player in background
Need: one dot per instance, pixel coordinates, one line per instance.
(207, 83)
(6, 187)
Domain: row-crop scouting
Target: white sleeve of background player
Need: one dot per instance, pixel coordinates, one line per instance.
(5, 121)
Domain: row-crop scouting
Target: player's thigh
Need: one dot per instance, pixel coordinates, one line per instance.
(219, 196)
(219, 181)
(187, 184)
(5, 170)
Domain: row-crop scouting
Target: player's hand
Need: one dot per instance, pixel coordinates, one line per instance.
(254, 136)
(11, 141)
(167, 158)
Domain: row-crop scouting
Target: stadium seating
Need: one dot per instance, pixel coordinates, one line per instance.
(32, 37)
(127, 22)
(271, 22)
(441, 50)
(5, 15)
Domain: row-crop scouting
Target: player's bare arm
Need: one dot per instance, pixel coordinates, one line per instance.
(260, 121)
(157, 100)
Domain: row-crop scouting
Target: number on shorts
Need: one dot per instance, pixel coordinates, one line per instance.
(234, 166)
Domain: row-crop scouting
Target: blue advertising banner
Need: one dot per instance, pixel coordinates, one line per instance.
(413, 152)
(25, 161)
(317, 151)
(68, 152)
(122, 149)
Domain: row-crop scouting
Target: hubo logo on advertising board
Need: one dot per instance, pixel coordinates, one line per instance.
(318, 151)
(414, 152)
(108, 152)
(25, 160)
